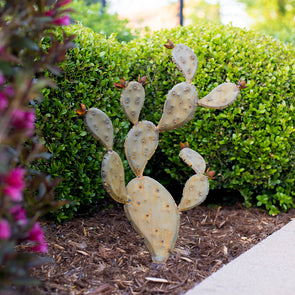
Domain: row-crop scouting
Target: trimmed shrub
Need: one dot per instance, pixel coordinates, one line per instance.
(88, 76)
(250, 144)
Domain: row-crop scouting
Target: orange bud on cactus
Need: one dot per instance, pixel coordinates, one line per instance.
(169, 45)
(242, 84)
(143, 80)
(184, 145)
(210, 174)
(82, 109)
(121, 85)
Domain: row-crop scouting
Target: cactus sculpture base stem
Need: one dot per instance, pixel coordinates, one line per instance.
(154, 214)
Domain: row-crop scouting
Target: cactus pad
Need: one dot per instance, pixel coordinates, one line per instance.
(220, 97)
(193, 159)
(195, 192)
(154, 215)
(101, 127)
(186, 60)
(180, 106)
(140, 145)
(132, 100)
(113, 177)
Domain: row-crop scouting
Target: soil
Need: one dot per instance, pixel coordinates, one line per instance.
(102, 254)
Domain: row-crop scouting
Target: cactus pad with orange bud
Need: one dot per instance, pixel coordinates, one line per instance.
(193, 159)
(197, 187)
(101, 127)
(195, 192)
(186, 60)
(221, 97)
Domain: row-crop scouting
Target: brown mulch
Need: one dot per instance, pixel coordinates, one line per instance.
(103, 255)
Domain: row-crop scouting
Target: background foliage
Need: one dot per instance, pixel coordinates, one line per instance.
(92, 15)
(274, 17)
(250, 144)
(89, 73)
(202, 11)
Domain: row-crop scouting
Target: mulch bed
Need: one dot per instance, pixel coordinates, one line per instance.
(103, 255)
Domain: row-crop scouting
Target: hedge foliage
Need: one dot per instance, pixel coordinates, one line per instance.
(88, 76)
(250, 144)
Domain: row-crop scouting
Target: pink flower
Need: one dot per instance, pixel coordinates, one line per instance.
(63, 3)
(62, 21)
(19, 214)
(42, 248)
(15, 194)
(14, 184)
(2, 50)
(3, 102)
(5, 231)
(49, 13)
(23, 120)
(15, 178)
(2, 78)
(9, 91)
(36, 234)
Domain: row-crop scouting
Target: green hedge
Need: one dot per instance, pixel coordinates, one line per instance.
(88, 76)
(250, 144)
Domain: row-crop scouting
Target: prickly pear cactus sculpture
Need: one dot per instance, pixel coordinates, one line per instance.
(148, 205)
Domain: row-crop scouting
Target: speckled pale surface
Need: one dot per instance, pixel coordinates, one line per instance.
(154, 215)
(113, 177)
(186, 60)
(179, 107)
(140, 144)
(101, 127)
(132, 100)
(195, 192)
(193, 159)
(221, 97)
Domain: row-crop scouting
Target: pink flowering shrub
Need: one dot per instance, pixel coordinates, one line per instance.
(36, 235)
(25, 194)
(21, 119)
(5, 231)
(62, 21)
(19, 214)
(14, 184)
(3, 102)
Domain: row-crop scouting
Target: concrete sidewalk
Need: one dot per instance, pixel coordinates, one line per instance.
(268, 268)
